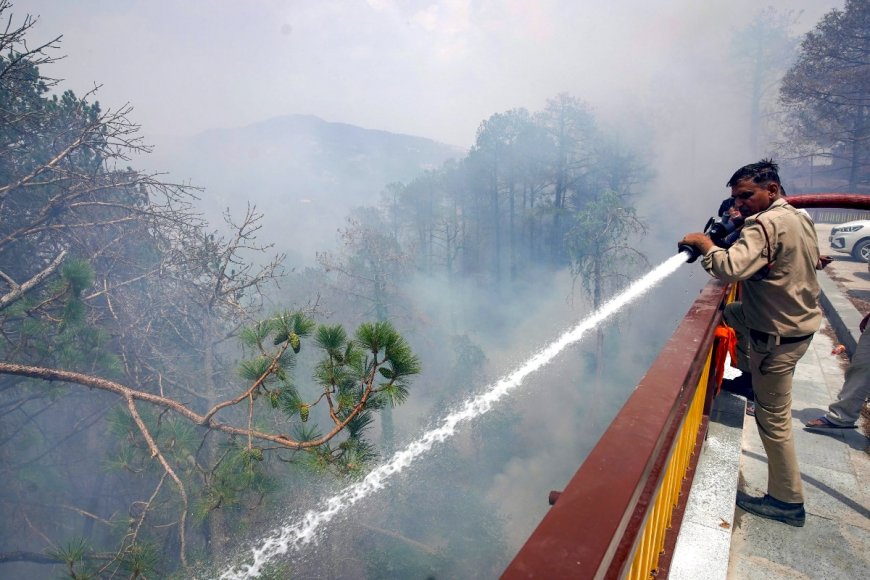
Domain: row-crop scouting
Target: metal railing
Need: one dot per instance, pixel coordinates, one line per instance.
(833, 207)
(618, 515)
(837, 216)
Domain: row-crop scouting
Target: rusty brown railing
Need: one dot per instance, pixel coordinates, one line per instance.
(618, 515)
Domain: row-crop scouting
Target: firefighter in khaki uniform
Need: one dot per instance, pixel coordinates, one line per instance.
(775, 258)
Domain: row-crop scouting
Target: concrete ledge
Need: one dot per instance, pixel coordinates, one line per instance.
(704, 543)
(842, 315)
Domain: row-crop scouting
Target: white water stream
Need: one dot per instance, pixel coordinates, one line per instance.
(296, 534)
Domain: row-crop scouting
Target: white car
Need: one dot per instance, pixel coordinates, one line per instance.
(852, 238)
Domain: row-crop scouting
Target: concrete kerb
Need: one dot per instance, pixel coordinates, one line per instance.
(842, 315)
(704, 543)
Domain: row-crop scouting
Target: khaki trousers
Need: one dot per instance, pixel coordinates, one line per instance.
(856, 388)
(772, 368)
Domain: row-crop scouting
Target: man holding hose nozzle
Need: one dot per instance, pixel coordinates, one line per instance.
(775, 257)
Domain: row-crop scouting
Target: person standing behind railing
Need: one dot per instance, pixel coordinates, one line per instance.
(775, 258)
(844, 412)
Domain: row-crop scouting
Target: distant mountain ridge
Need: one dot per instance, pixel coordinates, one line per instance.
(305, 174)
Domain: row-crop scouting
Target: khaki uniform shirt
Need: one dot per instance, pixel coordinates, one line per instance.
(786, 301)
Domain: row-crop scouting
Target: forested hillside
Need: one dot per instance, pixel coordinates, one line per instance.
(151, 404)
(199, 341)
(302, 172)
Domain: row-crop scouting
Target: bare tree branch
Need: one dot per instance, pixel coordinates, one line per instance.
(20, 290)
(206, 420)
(155, 452)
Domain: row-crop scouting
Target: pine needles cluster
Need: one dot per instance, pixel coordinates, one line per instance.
(354, 377)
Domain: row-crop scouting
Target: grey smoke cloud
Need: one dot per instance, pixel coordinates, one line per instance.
(434, 69)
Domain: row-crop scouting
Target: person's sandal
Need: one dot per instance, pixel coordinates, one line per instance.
(823, 423)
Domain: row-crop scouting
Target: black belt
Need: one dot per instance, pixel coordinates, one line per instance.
(763, 337)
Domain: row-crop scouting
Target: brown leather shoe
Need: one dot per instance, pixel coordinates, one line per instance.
(771, 508)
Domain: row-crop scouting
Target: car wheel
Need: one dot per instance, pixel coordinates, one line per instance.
(861, 251)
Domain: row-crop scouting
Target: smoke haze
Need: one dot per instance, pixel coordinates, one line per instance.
(663, 73)
(433, 69)
(659, 75)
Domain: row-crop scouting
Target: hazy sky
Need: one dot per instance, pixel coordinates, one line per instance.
(434, 69)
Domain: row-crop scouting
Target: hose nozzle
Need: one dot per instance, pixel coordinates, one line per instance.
(692, 251)
(718, 229)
